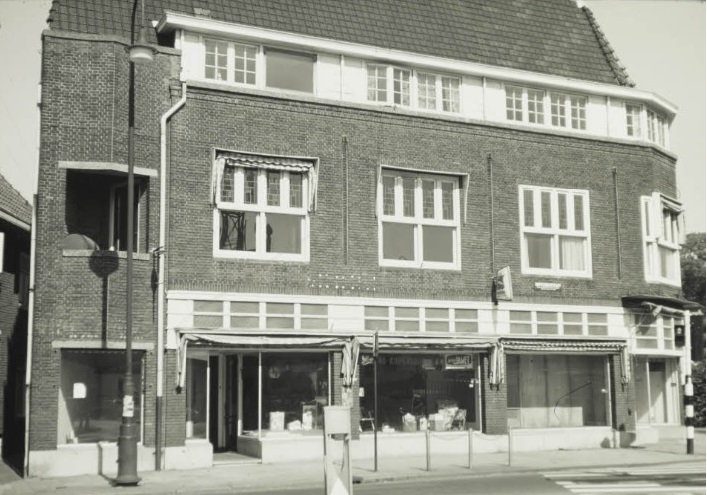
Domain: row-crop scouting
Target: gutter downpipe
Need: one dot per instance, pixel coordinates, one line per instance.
(30, 330)
(160, 252)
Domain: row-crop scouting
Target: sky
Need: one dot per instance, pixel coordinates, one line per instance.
(661, 43)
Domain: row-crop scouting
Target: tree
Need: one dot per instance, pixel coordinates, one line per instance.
(692, 264)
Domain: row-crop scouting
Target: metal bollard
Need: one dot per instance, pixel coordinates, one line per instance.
(471, 445)
(427, 444)
(510, 444)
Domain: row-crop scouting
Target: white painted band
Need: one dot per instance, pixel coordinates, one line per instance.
(689, 411)
(690, 432)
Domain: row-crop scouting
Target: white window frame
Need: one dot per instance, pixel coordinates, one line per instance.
(261, 209)
(231, 65)
(655, 127)
(635, 129)
(554, 230)
(418, 220)
(540, 118)
(390, 79)
(566, 105)
(657, 235)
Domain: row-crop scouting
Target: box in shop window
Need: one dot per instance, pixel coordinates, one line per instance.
(437, 422)
(409, 423)
(277, 421)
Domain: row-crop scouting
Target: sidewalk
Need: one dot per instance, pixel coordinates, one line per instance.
(252, 477)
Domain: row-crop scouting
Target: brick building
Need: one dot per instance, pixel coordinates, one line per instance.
(15, 222)
(479, 188)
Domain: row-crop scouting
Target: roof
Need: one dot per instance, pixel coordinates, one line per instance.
(13, 204)
(545, 36)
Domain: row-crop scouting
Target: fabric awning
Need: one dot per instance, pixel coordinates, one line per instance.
(426, 343)
(541, 345)
(644, 301)
(261, 341)
(269, 162)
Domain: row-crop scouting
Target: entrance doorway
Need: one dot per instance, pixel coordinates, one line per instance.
(223, 402)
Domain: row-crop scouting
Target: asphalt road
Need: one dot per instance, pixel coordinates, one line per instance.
(646, 480)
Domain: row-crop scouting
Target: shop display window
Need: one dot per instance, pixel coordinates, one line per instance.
(91, 395)
(197, 374)
(418, 391)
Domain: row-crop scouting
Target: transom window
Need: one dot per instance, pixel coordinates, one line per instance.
(419, 220)
(663, 233)
(262, 212)
(555, 231)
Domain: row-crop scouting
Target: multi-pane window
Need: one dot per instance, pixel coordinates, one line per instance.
(555, 231)
(377, 82)
(208, 314)
(230, 62)
(633, 120)
(662, 235)
(563, 106)
(655, 332)
(401, 87)
(450, 94)
(436, 320)
(655, 124)
(536, 112)
(262, 213)
(398, 86)
(388, 84)
(427, 91)
(525, 105)
(216, 62)
(419, 221)
(514, 103)
(466, 320)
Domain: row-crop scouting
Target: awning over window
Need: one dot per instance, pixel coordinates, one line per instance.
(649, 303)
(248, 160)
(562, 345)
(426, 343)
(108, 168)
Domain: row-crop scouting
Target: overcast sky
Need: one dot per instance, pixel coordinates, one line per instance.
(661, 42)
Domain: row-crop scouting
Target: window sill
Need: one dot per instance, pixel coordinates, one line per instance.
(88, 253)
(417, 266)
(553, 274)
(250, 256)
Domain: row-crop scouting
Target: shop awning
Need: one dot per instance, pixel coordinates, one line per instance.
(542, 345)
(424, 342)
(661, 303)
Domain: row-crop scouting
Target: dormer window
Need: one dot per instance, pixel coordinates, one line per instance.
(289, 70)
(655, 127)
(633, 120)
(230, 62)
(381, 78)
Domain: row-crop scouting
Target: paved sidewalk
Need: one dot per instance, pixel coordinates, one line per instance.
(240, 478)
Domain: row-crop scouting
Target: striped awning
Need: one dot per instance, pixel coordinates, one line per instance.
(563, 345)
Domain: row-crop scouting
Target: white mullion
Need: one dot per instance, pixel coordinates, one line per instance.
(524, 104)
(439, 105)
(555, 228)
(389, 87)
(537, 209)
(438, 206)
(239, 187)
(230, 62)
(414, 102)
(285, 190)
(399, 201)
(571, 227)
(260, 66)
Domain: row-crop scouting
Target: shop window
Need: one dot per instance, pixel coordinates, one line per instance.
(597, 324)
(91, 395)
(376, 318)
(295, 390)
(419, 220)
(557, 391)
(208, 314)
(466, 321)
(245, 315)
(668, 333)
(436, 320)
(646, 331)
(196, 394)
(521, 322)
(555, 231)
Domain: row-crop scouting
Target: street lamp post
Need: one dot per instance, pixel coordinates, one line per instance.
(139, 52)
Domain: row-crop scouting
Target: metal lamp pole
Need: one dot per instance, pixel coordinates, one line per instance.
(139, 52)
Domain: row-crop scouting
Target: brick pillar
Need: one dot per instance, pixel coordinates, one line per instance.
(494, 403)
(623, 403)
(174, 404)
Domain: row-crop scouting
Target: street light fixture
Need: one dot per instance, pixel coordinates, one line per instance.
(139, 53)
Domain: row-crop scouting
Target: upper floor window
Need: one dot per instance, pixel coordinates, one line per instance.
(388, 84)
(262, 208)
(418, 220)
(568, 111)
(525, 105)
(655, 127)
(555, 231)
(289, 70)
(663, 233)
(231, 62)
(633, 120)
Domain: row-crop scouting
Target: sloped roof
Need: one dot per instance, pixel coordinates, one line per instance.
(545, 36)
(13, 203)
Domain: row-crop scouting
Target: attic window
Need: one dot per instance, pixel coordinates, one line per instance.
(289, 70)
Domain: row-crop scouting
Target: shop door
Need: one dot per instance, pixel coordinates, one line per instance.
(656, 376)
(213, 400)
(231, 402)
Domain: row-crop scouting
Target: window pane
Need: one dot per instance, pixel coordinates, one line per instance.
(244, 69)
(283, 233)
(520, 322)
(539, 250)
(450, 94)
(295, 190)
(426, 91)
(237, 230)
(377, 84)
(668, 259)
(466, 314)
(280, 322)
(245, 307)
(447, 201)
(250, 186)
(228, 184)
(91, 395)
(428, 198)
(379, 311)
(197, 373)
(315, 323)
(562, 209)
(287, 70)
(407, 326)
(442, 313)
(208, 306)
(245, 322)
(388, 195)
(572, 253)
(279, 308)
(408, 197)
(466, 327)
(578, 213)
(211, 321)
(314, 309)
(546, 208)
(535, 107)
(514, 103)
(437, 326)
(578, 108)
(528, 208)
(438, 244)
(375, 325)
(401, 87)
(398, 241)
(273, 188)
(216, 60)
(407, 313)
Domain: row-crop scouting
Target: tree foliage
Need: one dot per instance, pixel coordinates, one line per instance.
(698, 380)
(692, 264)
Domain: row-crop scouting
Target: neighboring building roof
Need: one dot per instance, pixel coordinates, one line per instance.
(12, 203)
(546, 36)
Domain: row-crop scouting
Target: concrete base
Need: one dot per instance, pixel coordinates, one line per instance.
(652, 434)
(102, 459)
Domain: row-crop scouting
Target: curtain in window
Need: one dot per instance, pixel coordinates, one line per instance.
(572, 253)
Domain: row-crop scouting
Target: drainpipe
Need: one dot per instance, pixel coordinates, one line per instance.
(160, 252)
(30, 329)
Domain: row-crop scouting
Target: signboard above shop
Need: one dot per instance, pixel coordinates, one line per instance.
(458, 362)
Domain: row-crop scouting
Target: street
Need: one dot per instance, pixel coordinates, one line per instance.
(676, 479)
